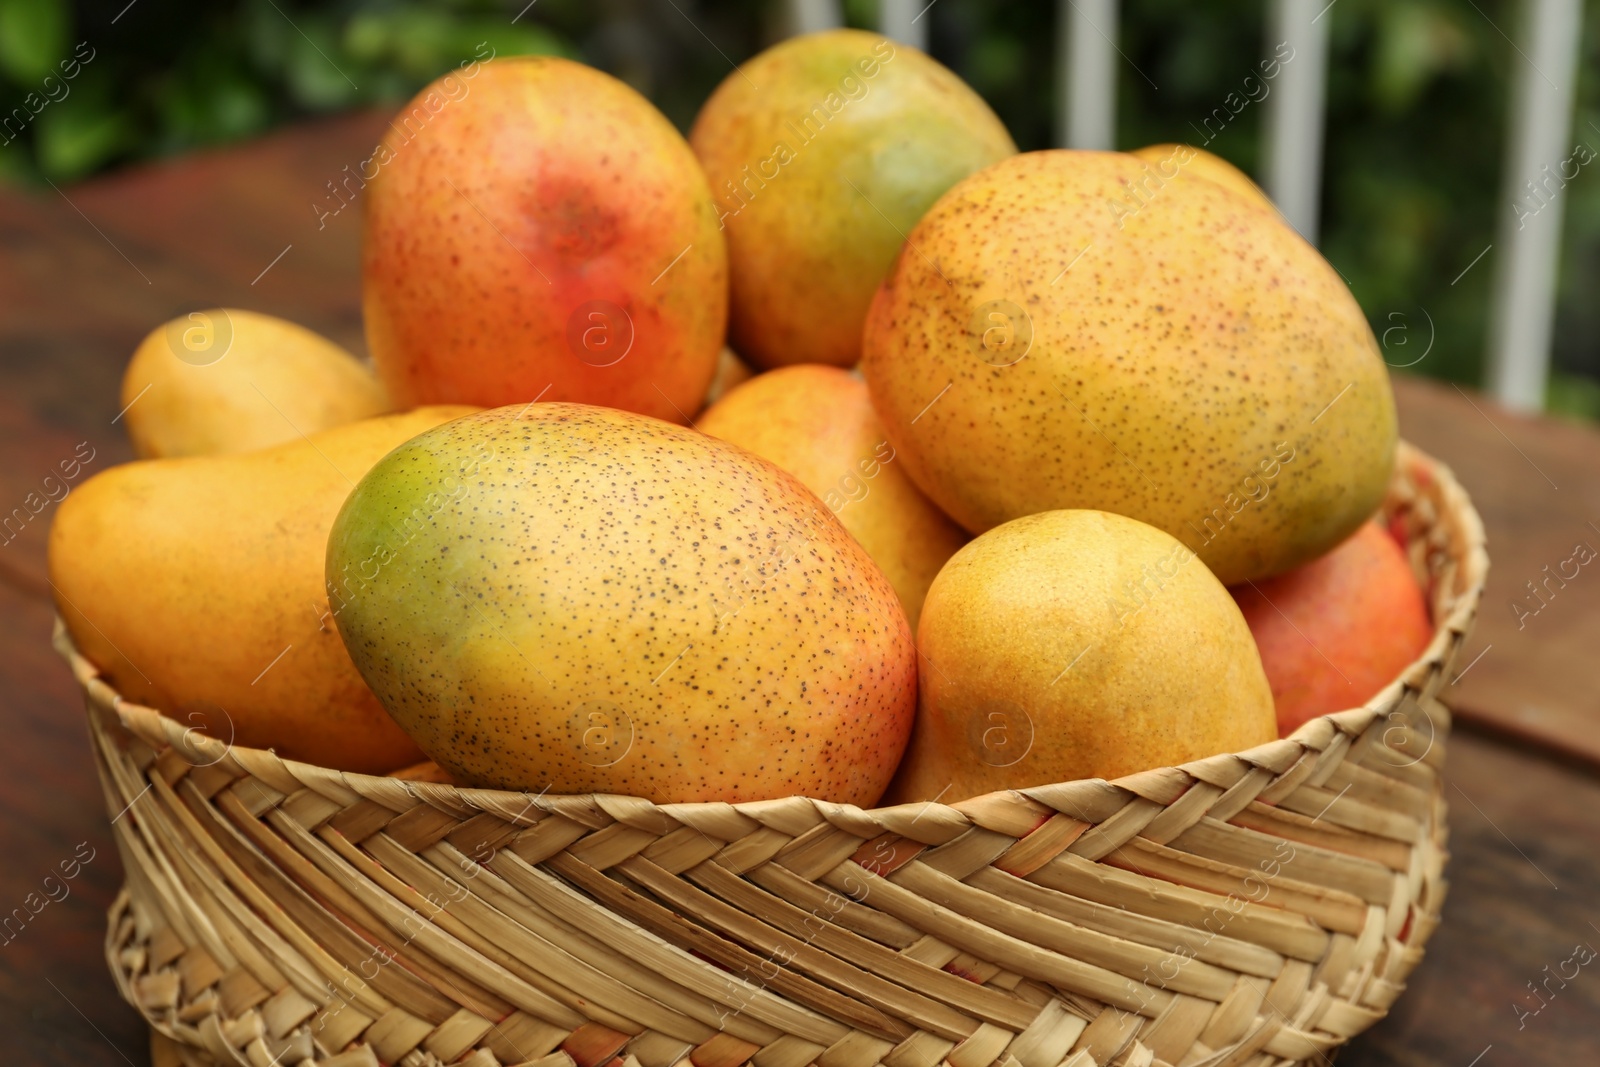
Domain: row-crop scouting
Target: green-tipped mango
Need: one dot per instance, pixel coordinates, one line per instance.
(584, 600)
(822, 153)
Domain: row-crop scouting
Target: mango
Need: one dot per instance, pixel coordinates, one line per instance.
(823, 152)
(196, 586)
(1179, 160)
(1077, 644)
(579, 599)
(227, 380)
(1075, 331)
(535, 229)
(1335, 632)
(817, 423)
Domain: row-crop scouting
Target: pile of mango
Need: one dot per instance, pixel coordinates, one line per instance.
(1020, 468)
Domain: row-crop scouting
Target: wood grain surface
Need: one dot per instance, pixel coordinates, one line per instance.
(1537, 484)
(86, 273)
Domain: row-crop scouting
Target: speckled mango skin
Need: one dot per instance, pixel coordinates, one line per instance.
(535, 187)
(1077, 644)
(817, 423)
(1187, 161)
(806, 249)
(196, 585)
(1197, 361)
(594, 601)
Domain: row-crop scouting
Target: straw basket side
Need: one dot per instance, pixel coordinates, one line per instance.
(1250, 909)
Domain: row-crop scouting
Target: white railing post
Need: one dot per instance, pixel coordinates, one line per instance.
(813, 16)
(1295, 112)
(1086, 73)
(905, 21)
(1529, 238)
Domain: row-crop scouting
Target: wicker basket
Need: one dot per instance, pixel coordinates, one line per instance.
(1258, 908)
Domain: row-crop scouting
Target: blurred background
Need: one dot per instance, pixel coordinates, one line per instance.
(1418, 93)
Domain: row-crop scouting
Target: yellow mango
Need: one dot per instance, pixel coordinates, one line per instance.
(1078, 332)
(226, 380)
(196, 586)
(1077, 644)
(1182, 160)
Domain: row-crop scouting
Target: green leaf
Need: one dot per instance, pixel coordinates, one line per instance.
(996, 64)
(321, 76)
(267, 34)
(1416, 42)
(74, 139)
(211, 101)
(33, 37)
(425, 43)
(523, 40)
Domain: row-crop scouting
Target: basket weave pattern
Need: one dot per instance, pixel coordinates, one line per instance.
(1248, 909)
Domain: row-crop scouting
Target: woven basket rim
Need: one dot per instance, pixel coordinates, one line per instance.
(1312, 738)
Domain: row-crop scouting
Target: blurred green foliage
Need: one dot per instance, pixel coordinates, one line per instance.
(1416, 113)
(167, 77)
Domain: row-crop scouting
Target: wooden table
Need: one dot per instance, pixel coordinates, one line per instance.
(87, 272)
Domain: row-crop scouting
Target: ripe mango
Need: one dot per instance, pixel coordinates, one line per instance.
(822, 153)
(537, 229)
(817, 423)
(581, 599)
(1077, 644)
(1335, 632)
(1075, 331)
(196, 586)
(1182, 160)
(227, 380)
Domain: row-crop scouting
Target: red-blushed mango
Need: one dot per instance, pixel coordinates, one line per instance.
(582, 599)
(823, 152)
(1077, 644)
(536, 229)
(1182, 160)
(817, 423)
(1075, 331)
(1334, 632)
(196, 585)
